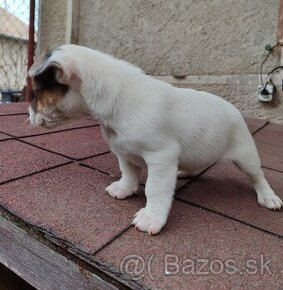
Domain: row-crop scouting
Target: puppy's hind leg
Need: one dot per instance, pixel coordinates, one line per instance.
(246, 158)
(128, 183)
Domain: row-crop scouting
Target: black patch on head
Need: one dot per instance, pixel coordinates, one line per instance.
(47, 81)
(44, 76)
(42, 63)
(48, 53)
(39, 64)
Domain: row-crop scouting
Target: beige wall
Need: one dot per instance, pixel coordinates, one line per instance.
(52, 23)
(185, 37)
(180, 38)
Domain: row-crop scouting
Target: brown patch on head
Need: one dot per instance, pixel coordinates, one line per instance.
(47, 98)
(47, 91)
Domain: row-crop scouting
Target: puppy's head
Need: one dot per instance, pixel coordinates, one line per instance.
(56, 84)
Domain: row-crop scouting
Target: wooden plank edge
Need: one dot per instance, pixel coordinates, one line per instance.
(40, 266)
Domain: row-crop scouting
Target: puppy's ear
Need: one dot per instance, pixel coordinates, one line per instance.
(65, 68)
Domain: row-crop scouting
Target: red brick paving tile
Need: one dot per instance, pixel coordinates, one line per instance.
(76, 144)
(255, 124)
(18, 159)
(181, 183)
(106, 163)
(14, 108)
(92, 120)
(225, 189)
(71, 204)
(271, 155)
(271, 134)
(3, 136)
(109, 163)
(20, 126)
(193, 234)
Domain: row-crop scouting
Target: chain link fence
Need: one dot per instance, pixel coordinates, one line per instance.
(14, 29)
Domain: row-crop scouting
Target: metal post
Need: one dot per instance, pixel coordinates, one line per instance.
(31, 46)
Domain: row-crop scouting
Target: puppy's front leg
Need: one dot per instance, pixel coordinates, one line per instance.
(128, 183)
(159, 190)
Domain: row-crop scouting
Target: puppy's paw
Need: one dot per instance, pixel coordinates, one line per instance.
(271, 201)
(120, 191)
(148, 222)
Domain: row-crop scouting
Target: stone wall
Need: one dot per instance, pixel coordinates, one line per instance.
(52, 24)
(181, 38)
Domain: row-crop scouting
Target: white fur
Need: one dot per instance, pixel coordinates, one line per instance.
(149, 122)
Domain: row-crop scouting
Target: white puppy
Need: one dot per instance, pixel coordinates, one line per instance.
(147, 122)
